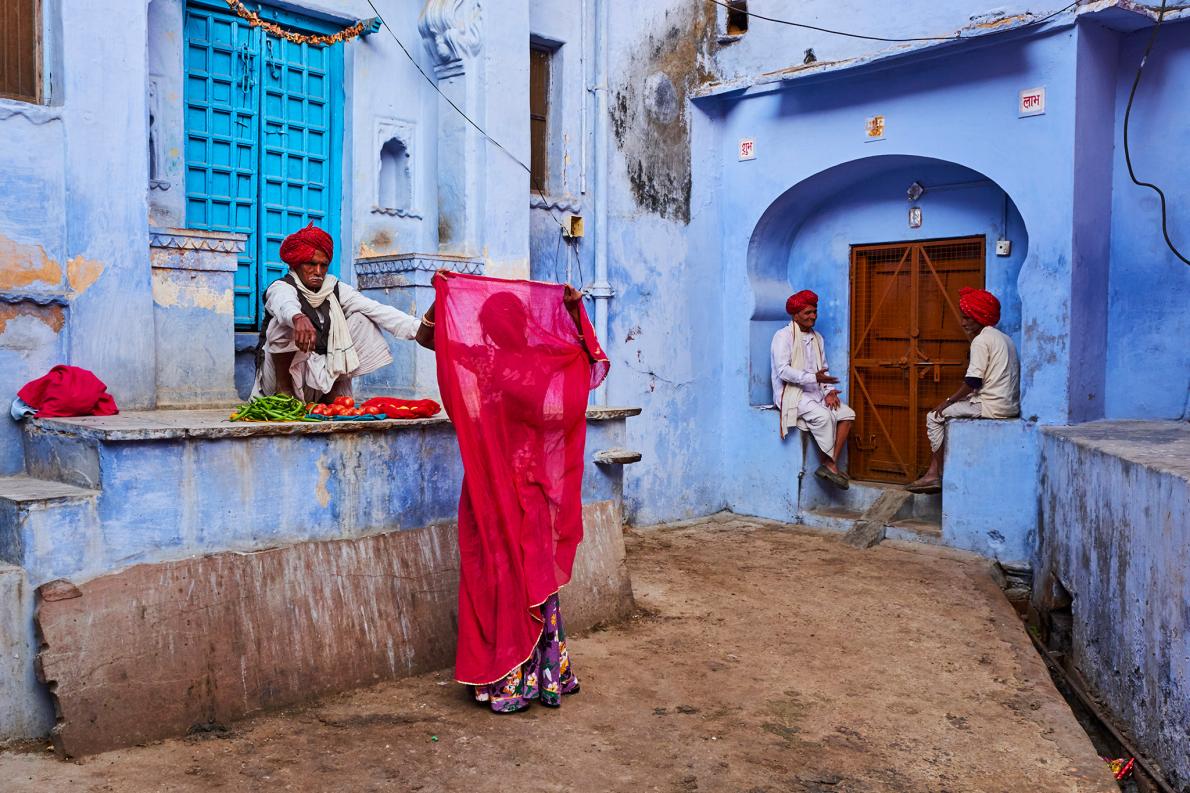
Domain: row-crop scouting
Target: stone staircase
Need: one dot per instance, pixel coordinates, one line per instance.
(823, 507)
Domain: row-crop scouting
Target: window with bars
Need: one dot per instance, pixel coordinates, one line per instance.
(20, 49)
(540, 61)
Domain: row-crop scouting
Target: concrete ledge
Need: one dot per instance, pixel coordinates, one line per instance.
(1115, 507)
(161, 425)
(149, 652)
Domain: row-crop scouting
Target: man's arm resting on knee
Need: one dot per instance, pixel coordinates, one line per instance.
(965, 390)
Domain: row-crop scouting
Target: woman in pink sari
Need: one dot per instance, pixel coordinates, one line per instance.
(516, 361)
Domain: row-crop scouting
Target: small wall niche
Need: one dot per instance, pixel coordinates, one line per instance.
(396, 185)
(735, 18)
(396, 189)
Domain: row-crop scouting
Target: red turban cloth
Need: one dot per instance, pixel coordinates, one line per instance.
(797, 302)
(979, 304)
(300, 246)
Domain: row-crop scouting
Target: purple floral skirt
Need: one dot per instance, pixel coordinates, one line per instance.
(546, 676)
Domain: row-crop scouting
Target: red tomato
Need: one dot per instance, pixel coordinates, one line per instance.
(332, 410)
(310, 406)
(372, 411)
(344, 401)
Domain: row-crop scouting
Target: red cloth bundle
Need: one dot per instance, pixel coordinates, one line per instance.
(404, 408)
(515, 376)
(68, 391)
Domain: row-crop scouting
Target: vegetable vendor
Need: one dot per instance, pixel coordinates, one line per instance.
(319, 333)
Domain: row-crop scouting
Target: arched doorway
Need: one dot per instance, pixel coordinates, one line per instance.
(888, 289)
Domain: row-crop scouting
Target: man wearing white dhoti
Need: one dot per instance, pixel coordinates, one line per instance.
(803, 388)
(319, 333)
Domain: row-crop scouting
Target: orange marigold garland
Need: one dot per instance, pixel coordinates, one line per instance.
(254, 19)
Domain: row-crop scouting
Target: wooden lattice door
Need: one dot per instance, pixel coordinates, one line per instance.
(908, 350)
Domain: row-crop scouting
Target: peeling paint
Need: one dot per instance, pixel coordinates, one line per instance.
(179, 289)
(324, 476)
(51, 316)
(81, 273)
(649, 115)
(24, 265)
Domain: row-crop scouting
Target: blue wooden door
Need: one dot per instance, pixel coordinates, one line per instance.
(261, 116)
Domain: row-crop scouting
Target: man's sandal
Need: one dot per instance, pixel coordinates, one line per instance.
(930, 487)
(838, 480)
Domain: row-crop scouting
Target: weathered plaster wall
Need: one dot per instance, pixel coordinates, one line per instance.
(1115, 525)
(664, 333)
(75, 224)
(1149, 289)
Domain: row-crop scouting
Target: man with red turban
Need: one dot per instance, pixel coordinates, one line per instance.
(990, 390)
(803, 388)
(318, 332)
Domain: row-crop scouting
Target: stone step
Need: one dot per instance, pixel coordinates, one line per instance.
(842, 520)
(911, 530)
(46, 526)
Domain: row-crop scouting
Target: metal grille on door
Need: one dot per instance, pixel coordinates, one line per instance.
(259, 126)
(908, 351)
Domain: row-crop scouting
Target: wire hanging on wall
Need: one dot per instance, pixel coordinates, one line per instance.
(1127, 152)
(534, 184)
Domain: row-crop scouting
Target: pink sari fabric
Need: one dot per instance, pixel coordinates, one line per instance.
(514, 377)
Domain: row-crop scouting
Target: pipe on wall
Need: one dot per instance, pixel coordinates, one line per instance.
(601, 290)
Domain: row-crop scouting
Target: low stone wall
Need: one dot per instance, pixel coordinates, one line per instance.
(193, 570)
(1114, 588)
(156, 649)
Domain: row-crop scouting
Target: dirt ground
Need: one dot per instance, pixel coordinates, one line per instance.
(763, 658)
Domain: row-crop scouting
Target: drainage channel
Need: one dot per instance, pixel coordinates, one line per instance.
(1108, 740)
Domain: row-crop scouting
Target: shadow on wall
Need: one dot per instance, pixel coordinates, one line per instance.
(804, 239)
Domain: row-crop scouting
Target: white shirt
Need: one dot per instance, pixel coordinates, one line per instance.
(782, 353)
(281, 300)
(994, 360)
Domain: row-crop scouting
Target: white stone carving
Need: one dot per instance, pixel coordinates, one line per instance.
(451, 29)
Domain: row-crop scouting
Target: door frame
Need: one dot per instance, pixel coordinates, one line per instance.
(914, 356)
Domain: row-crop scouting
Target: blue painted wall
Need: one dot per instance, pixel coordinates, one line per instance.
(1149, 289)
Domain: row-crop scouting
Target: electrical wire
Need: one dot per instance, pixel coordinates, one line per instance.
(1128, 154)
(534, 183)
(833, 32)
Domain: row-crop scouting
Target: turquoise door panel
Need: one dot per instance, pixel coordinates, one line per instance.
(221, 138)
(296, 174)
(262, 139)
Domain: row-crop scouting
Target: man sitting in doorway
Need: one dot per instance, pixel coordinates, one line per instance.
(803, 387)
(991, 388)
(318, 332)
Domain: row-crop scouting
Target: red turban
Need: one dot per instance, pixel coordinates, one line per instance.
(797, 302)
(979, 304)
(300, 246)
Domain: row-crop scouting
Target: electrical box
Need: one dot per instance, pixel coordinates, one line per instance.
(572, 226)
(1003, 247)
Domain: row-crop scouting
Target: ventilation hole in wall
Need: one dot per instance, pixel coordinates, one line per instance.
(737, 17)
(396, 189)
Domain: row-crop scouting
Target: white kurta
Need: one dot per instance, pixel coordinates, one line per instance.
(365, 319)
(812, 413)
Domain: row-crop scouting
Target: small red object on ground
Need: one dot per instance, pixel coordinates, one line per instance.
(68, 391)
